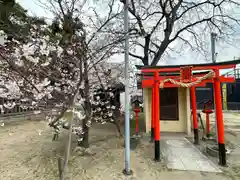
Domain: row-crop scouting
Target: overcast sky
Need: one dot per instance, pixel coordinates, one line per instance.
(225, 51)
(33, 7)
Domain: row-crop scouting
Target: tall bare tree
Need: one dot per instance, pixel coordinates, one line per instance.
(161, 24)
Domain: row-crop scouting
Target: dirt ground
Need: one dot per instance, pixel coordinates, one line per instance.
(28, 153)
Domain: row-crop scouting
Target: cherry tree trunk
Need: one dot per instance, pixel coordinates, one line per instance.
(85, 141)
(86, 124)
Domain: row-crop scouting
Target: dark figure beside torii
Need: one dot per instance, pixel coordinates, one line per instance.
(186, 76)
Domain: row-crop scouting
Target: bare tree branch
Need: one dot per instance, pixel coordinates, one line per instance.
(172, 21)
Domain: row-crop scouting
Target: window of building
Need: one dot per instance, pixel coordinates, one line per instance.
(169, 104)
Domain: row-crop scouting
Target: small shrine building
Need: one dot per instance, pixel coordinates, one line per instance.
(169, 99)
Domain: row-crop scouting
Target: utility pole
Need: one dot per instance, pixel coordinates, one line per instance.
(213, 40)
(213, 47)
(127, 170)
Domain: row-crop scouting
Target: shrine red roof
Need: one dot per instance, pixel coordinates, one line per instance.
(222, 65)
(176, 73)
(185, 73)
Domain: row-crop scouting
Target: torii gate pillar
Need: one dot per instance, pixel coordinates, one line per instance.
(219, 118)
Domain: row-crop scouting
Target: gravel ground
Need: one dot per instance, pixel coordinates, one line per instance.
(27, 153)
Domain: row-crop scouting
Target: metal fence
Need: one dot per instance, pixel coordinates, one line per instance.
(30, 115)
(14, 107)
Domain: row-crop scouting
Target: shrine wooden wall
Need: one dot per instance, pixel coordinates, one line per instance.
(182, 124)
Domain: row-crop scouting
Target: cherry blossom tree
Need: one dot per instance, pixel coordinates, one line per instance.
(100, 46)
(57, 64)
(52, 67)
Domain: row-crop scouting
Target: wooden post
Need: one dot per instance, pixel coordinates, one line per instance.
(157, 117)
(219, 118)
(137, 110)
(207, 125)
(153, 118)
(224, 94)
(194, 115)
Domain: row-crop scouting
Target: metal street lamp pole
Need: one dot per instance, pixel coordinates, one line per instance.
(213, 40)
(213, 47)
(127, 170)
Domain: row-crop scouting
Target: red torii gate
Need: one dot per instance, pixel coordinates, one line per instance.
(184, 77)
